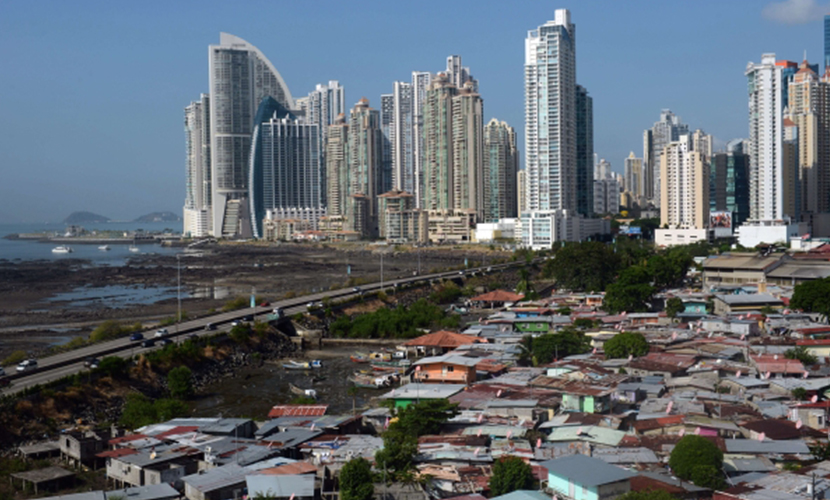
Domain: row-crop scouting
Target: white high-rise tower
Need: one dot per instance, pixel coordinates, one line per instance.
(550, 114)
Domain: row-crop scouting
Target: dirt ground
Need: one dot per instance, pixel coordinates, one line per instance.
(30, 321)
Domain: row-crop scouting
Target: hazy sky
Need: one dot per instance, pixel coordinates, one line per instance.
(92, 92)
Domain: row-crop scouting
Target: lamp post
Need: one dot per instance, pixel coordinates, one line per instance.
(179, 290)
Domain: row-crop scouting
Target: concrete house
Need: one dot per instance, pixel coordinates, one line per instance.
(80, 448)
(584, 478)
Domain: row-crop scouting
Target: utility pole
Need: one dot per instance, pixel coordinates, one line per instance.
(381, 271)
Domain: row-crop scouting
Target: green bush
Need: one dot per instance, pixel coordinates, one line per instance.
(446, 294)
(400, 322)
(625, 344)
(180, 382)
(510, 474)
(140, 411)
(692, 452)
(356, 480)
(113, 366)
(108, 330)
(237, 303)
(15, 358)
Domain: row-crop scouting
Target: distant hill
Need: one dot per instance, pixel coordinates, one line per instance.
(160, 217)
(85, 218)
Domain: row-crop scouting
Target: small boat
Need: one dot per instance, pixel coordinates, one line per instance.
(104, 248)
(380, 356)
(311, 393)
(359, 357)
(372, 382)
(401, 364)
(134, 249)
(62, 249)
(303, 365)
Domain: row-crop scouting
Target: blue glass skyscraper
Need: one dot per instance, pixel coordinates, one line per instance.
(826, 42)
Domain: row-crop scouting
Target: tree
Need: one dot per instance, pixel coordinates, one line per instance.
(583, 323)
(586, 266)
(566, 342)
(674, 306)
(802, 354)
(625, 344)
(113, 366)
(707, 476)
(107, 330)
(356, 480)
(647, 495)
(692, 452)
(140, 411)
(668, 268)
(510, 474)
(180, 382)
(425, 417)
(812, 296)
(525, 286)
(398, 452)
(631, 292)
(821, 452)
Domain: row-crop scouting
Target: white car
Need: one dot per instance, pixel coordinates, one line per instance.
(161, 333)
(29, 364)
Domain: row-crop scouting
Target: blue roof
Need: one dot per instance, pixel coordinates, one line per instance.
(585, 471)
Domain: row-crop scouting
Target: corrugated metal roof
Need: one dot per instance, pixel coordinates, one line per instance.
(280, 486)
(585, 471)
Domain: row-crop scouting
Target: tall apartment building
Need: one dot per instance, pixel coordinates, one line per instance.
(337, 167)
(387, 105)
(521, 193)
(702, 143)
(809, 113)
(398, 129)
(684, 182)
(550, 115)
(438, 190)
(197, 216)
(606, 190)
(584, 152)
(284, 171)
(729, 183)
(501, 163)
(321, 107)
(468, 151)
(364, 160)
(767, 174)
(633, 177)
(240, 76)
(420, 85)
(668, 129)
(459, 75)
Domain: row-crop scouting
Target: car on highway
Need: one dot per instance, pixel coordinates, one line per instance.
(161, 333)
(278, 312)
(4, 381)
(91, 362)
(357, 290)
(148, 343)
(208, 327)
(249, 317)
(136, 337)
(2, 372)
(265, 304)
(166, 342)
(236, 323)
(27, 365)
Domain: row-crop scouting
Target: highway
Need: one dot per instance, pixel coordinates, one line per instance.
(67, 363)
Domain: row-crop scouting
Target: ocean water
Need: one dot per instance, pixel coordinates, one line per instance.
(116, 256)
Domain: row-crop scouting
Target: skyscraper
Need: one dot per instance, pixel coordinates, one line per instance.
(766, 135)
(729, 183)
(501, 163)
(684, 201)
(809, 113)
(323, 105)
(284, 171)
(403, 170)
(420, 84)
(459, 75)
(521, 196)
(668, 129)
(387, 113)
(337, 167)
(826, 42)
(633, 176)
(550, 114)
(584, 152)
(240, 76)
(606, 190)
(468, 150)
(438, 155)
(364, 157)
(197, 202)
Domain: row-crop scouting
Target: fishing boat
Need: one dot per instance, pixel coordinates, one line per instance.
(359, 357)
(370, 381)
(62, 249)
(303, 365)
(311, 393)
(400, 365)
(104, 248)
(134, 249)
(380, 356)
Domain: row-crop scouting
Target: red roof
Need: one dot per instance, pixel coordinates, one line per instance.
(498, 296)
(120, 452)
(177, 431)
(297, 411)
(289, 469)
(813, 342)
(127, 438)
(442, 338)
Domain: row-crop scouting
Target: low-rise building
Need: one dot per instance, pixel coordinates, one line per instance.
(585, 478)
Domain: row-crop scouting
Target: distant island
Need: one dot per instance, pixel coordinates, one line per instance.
(160, 217)
(76, 218)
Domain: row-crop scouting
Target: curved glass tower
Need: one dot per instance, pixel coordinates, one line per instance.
(240, 78)
(284, 166)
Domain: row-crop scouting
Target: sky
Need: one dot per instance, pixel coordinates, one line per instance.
(92, 92)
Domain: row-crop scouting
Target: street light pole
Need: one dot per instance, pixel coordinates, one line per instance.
(179, 290)
(381, 272)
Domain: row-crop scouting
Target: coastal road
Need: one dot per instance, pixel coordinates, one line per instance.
(60, 365)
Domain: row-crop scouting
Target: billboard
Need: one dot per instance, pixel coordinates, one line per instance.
(631, 230)
(721, 222)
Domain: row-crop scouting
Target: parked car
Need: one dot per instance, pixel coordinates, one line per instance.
(29, 364)
(148, 343)
(136, 337)
(210, 326)
(91, 362)
(162, 333)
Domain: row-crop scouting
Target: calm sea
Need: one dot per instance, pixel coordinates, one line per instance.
(116, 256)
